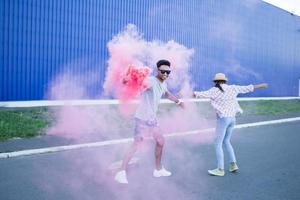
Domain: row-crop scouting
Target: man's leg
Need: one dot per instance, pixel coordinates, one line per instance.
(130, 152)
(158, 152)
(121, 176)
(160, 141)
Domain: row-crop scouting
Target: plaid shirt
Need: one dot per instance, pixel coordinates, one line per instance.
(225, 103)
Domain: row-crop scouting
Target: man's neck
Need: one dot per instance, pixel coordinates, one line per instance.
(161, 80)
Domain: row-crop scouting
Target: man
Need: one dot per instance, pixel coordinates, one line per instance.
(146, 120)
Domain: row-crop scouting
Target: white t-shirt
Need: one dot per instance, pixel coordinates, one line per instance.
(150, 99)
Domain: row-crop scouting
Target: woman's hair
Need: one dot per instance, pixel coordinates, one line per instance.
(218, 84)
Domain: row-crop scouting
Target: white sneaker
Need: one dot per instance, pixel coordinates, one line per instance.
(121, 177)
(161, 172)
(216, 172)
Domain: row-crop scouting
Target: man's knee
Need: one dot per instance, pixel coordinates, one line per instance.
(138, 141)
(160, 140)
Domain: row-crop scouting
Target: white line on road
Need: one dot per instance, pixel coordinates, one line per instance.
(127, 140)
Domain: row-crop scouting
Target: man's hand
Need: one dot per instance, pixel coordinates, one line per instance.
(180, 103)
(124, 81)
(194, 95)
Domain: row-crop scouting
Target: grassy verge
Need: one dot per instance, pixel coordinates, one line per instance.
(26, 123)
(22, 123)
(270, 107)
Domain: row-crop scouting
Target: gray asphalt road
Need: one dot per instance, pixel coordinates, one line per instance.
(267, 156)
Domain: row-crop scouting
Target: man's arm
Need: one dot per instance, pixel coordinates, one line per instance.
(173, 98)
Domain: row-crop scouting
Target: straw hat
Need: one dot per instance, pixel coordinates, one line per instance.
(220, 77)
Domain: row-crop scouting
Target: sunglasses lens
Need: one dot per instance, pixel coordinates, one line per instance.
(165, 71)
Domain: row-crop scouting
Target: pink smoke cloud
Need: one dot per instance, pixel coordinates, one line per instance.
(129, 55)
(128, 48)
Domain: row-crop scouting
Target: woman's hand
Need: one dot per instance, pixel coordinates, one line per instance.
(262, 85)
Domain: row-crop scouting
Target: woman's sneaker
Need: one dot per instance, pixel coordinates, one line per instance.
(216, 172)
(161, 172)
(121, 177)
(233, 167)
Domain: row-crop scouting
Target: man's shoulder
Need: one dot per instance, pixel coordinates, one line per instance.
(151, 79)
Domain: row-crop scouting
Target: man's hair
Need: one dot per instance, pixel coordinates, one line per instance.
(163, 62)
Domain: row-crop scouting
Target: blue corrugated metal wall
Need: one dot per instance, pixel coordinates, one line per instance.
(249, 40)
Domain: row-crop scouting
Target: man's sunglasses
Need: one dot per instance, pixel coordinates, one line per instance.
(165, 71)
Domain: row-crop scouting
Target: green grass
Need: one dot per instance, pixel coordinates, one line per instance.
(264, 107)
(24, 123)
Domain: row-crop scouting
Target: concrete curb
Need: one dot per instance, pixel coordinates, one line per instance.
(42, 103)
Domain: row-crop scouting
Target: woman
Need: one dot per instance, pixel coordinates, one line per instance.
(223, 98)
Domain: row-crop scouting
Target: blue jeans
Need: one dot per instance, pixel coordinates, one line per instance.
(224, 129)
